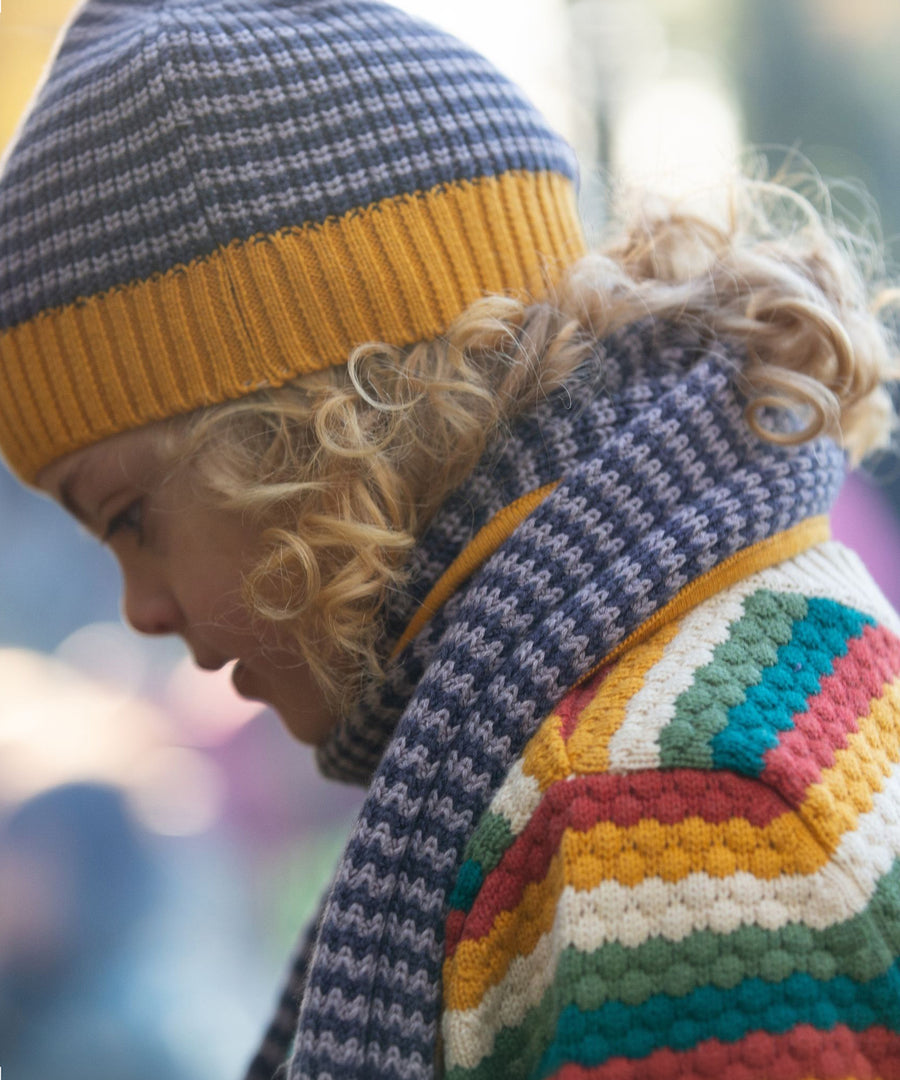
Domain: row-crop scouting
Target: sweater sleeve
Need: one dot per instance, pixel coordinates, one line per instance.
(738, 919)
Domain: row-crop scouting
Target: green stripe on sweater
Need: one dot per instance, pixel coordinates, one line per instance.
(701, 711)
(861, 948)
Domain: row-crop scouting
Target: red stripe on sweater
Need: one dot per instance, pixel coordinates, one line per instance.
(804, 1052)
(573, 704)
(809, 747)
(580, 803)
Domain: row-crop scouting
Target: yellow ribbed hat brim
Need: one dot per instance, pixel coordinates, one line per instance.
(261, 311)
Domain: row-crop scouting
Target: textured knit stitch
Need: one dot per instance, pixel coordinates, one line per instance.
(693, 912)
(213, 196)
(660, 480)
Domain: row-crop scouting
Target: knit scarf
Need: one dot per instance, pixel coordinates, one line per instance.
(661, 480)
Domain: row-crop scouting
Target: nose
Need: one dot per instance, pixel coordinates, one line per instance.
(147, 603)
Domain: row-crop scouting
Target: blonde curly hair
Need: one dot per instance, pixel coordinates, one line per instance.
(343, 469)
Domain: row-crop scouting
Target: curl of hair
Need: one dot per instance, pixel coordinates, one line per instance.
(343, 469)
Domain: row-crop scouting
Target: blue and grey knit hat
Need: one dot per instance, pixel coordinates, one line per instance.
(213, 196)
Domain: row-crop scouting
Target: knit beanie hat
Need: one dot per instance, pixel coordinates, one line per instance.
(210, 197)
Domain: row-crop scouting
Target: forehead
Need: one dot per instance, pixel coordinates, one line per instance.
(125, 458)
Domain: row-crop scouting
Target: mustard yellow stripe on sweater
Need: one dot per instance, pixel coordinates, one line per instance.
(583, 861)
(833, 806)
(548, 759)
(796, 843)
(588, 745)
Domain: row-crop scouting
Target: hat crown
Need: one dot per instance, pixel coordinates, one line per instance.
(168, 130)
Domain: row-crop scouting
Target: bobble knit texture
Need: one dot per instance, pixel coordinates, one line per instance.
(660, 482)
(213, 196)
(694, 867)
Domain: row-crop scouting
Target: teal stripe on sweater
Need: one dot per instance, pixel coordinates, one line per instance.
(593, 1037)
(702, 710)
(483, 852)
(853, 948)
(786, 687)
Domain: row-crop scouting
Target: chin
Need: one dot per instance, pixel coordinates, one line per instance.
(303, 713)
(307, 729)
(296, 699)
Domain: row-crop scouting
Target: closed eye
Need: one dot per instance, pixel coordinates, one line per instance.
(130, 519)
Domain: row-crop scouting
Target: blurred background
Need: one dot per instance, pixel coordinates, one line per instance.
(161, 841)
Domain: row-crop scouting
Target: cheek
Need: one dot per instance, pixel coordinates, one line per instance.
(209, 582)
(270, 670)
(219, 616)
(216, 604)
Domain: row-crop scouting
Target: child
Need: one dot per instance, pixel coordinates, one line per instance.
(297, 318)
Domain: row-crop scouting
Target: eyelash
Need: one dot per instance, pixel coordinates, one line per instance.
(130, 518)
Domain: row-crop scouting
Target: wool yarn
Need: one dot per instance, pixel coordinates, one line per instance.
(693, 868)
(210, 197)
(660, 481)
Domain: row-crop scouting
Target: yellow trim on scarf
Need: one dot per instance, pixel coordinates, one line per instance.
(759, 556)
(737, 567)
(485, 542)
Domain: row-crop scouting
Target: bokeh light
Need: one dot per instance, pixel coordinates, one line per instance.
(58, 725)
(176, 791)
(677, 136)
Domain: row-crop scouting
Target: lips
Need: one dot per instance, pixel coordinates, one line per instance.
(239, 679)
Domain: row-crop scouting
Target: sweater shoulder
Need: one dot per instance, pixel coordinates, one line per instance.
(705, 828)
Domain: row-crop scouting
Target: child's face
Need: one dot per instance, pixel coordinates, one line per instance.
(182, 561)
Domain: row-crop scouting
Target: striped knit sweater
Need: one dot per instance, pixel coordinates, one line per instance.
(506, 879)
(693, 869)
